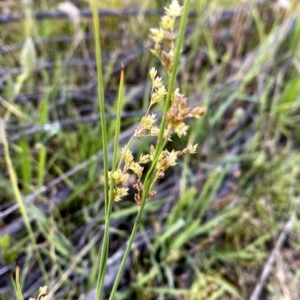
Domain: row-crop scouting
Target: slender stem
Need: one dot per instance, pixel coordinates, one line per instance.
(160, 145)
(101, 96)
(105, 242)
(128, 248)
(19, 198)
(118, 120)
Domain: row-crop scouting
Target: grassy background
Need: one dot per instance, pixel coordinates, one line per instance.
(217, 216)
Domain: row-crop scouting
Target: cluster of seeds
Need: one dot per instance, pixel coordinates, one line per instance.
(130, 171)
(164, 36)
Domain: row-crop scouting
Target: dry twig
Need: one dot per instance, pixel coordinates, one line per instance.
(269, 263)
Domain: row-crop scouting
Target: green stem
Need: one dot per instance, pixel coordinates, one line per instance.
(129, 244)
(101, 97)
(19, 198)
(105, 242)
(160, 145)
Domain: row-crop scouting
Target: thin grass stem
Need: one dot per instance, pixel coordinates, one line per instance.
(105, 240)
(104, 248)
(18, 196)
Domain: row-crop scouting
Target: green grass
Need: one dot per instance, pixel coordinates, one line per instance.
(216, 216)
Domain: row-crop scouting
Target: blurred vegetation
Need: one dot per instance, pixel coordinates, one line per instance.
(217, 218)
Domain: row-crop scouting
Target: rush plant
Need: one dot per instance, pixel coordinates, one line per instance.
(127, 169)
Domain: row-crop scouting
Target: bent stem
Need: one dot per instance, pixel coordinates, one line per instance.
(160, 146)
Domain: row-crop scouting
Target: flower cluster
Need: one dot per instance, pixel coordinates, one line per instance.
(168, 159)
(164, 36)
(130, 170)
(178, 112)
(158, 93)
